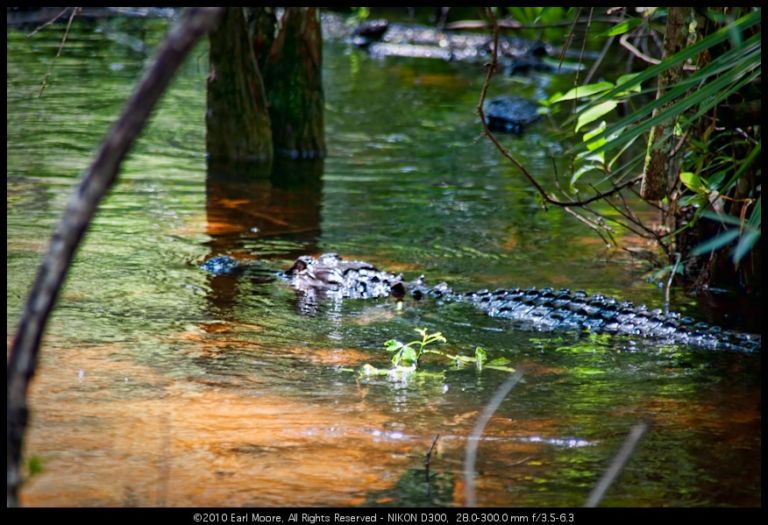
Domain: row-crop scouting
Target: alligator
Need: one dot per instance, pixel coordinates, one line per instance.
(544, 309)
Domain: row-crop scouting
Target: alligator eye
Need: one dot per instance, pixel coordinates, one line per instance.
(397, 290)
(298, 266)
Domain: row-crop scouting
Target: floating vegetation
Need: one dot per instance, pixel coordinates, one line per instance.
(406, 357)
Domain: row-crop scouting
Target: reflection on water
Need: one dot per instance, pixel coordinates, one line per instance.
(248, 203)
(162, 385)
(243, 202)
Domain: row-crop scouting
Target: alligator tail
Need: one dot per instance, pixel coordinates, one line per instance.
(548, 309)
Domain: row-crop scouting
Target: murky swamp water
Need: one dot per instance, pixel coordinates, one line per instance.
(162, 385)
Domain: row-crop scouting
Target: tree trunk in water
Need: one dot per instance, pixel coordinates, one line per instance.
(237, 122)
(262, 23)
(294, 86)
(661, 166)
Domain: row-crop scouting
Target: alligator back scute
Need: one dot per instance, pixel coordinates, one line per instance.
(565, 310)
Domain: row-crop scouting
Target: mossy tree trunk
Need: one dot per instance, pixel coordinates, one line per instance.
(294, 85)
(237, 121)
(661, 164)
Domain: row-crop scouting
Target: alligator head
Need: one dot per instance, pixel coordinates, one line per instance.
(331, 275)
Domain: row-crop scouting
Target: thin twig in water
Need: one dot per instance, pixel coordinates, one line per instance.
(603, 53)
(658, 237)
(428, 459)
(470, 456)
(599, 229)
(520, 462)
(49, 22)
(581, 52)
(568, 39)
(617, 465)
(428, 455)
(669, 282)
(628, 214)
(75, 11)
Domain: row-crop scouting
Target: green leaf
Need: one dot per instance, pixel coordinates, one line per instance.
(745, 244)
(499, 361)
(583, 91)
(461, 360)
(632, 86)
(481, 357)
(393, 345)
(589, 135)
(34, 466)
(594, 113)
(755, 220)
(584, 169)
(593, 145)
(623, 27)
(733, 64)
(722, 217)
(362, 13)
(624, 148)
(502, 368)
(409, 356)
(743, 166)
(370, 370)
(714, 181)
(697, 199)
(716, 242)
(693, 182)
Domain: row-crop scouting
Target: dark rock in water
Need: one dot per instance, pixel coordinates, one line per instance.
(221, 265)
(531, 60)
(369, 31)
(510, 114)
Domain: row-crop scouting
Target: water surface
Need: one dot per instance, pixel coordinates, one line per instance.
(161, 385)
